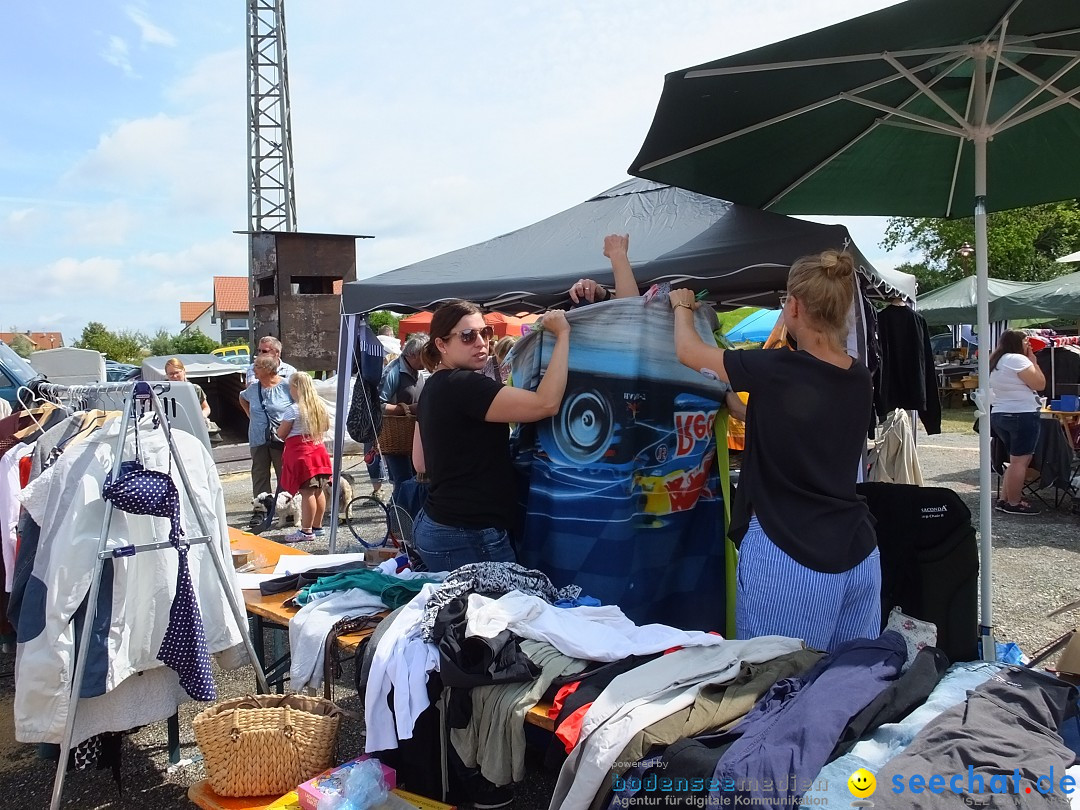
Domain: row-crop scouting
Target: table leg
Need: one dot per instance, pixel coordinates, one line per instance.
(256, 623)
(173, 725)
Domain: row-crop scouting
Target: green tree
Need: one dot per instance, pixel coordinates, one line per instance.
(22, 345)
(1023, 244)
(125, 346)
(130, 346)
(381, 318)
(194, 342)
(96, 336)
(162, 343)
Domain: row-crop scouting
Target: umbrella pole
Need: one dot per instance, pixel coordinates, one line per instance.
(982, 302)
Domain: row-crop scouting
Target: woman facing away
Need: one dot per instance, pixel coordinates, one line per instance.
(462, 441)
(1014, 414)
(808, 559)
(305, 464)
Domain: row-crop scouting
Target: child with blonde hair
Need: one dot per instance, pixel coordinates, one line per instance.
(305, 464)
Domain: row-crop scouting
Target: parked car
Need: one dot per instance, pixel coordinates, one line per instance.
(939, 344)
(119, 372)
(240, 355)
(15, 373)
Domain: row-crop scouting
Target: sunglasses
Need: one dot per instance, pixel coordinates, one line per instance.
(469, 336)
(783, 299)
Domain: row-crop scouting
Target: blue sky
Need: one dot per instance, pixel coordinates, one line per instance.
(428, 125)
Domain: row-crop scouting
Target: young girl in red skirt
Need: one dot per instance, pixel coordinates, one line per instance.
(305, 464)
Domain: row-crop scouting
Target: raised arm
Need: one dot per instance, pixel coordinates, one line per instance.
(616, 248)
(519, 405)
(692, 351)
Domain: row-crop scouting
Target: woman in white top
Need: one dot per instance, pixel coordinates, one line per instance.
(1014, 414)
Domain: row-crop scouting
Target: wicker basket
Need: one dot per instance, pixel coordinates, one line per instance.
(395, 438)
(262, 745)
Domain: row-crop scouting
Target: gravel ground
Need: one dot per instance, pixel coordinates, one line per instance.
(1034, 565)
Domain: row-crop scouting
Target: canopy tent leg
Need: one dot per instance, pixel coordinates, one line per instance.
(346, 341)
(987, 645)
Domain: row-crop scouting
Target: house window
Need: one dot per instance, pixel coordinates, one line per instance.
(236, 323)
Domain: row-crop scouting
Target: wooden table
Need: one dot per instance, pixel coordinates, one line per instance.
(272, 610)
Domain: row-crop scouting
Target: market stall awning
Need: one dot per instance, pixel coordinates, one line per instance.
(197, 365)
(739, 255)
(1057, 298)
(956, 303)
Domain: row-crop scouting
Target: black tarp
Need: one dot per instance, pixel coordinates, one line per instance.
(739, 254)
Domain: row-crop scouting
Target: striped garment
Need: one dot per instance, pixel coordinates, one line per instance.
(775, 595)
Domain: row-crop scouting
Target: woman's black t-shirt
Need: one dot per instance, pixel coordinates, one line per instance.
(805, 436)
(468, 459)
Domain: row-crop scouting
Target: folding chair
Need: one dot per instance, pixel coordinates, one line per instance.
(1053, 466)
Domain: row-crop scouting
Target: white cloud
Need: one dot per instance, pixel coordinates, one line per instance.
(108, 224)
(116, 54)
(151, 34)
(429, 129)
(98, 273)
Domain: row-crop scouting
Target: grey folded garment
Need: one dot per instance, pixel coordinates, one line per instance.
(294, 582)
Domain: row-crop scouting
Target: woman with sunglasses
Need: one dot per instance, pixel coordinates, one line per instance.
(463, 442)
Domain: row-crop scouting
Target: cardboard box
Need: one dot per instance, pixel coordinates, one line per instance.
(376, 556)
(1070, 656)
(332, 782)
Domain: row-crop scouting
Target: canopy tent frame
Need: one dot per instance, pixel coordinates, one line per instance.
(696, 247)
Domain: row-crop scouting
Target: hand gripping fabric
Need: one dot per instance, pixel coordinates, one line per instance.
(139, 491)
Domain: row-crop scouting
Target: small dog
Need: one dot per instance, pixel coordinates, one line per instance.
(262, 502)
(287, 510)
(345, 494)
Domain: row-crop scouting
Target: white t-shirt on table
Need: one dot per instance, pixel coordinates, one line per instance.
(1011, 394)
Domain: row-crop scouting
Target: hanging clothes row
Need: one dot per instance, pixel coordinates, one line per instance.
(126, 682)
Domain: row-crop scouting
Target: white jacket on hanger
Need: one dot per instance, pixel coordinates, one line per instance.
(66, 502)
(894, 459)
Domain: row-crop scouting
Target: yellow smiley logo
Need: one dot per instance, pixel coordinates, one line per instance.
(862, 783)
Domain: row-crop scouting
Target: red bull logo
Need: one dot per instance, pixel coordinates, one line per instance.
(692, 427)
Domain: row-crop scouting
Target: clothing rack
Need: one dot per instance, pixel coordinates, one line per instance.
(181, 404)
(146, 397)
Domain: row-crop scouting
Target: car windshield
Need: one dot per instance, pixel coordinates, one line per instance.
(17, 365)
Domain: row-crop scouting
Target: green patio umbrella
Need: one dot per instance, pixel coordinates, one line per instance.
(925, 108)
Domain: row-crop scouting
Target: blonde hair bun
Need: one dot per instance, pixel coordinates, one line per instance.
(836, 264)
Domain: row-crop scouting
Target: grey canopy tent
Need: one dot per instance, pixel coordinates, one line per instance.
(739, 255)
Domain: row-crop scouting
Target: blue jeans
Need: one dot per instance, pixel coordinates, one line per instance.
(446, 548)
(399, 467)
(1018, 431)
